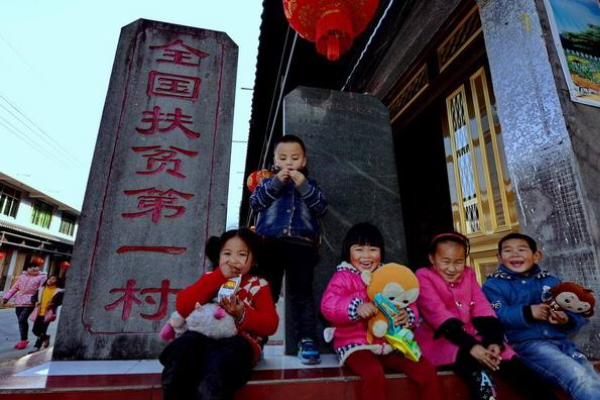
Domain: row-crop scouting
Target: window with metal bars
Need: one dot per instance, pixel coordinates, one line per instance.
(42, 214)
(9, 201)
(67, 224)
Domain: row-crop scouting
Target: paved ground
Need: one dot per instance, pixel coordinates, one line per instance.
(9, 335)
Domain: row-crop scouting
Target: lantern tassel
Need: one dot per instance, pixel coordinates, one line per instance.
(334, 34)
(333, 47)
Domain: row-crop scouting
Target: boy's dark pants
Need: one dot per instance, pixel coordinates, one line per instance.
(40, 327)
(297, 259)
(23, 314)
(512, 371)
(198, 367)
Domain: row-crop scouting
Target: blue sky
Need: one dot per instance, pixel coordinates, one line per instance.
(575, 15)
(55, 61)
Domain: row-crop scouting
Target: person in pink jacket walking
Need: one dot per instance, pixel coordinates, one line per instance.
(461, 330)
(346, 305)
(23, 290)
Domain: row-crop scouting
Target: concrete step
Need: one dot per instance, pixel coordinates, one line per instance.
(298, 384)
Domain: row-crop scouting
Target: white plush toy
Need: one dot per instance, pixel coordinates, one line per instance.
(209, 319)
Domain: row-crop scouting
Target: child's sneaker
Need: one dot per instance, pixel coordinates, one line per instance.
(308, 352)
(22, 344)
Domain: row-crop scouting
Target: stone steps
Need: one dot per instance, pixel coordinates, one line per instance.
(299, 384)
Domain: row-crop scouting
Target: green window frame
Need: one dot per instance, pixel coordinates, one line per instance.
(42, 214)
(67, 224)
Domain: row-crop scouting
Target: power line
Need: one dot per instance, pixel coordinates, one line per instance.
(265, 144)
(45, 136)
(10, 46)
(269, 135)
(31, 141)
(18, 133)
(364, 51)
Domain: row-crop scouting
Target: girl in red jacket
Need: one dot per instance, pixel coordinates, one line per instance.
(196, 366)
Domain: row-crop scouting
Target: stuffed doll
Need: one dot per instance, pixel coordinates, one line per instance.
(174, 327)
(396, 283)
(209, 319)
(569, 296)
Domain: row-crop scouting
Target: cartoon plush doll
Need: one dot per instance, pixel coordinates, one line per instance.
(396, 283)
(209, 319)
(569, 296)
(174, 327)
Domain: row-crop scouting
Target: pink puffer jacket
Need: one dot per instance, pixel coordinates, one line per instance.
(345, 291)
(26, 286)
(440, 301)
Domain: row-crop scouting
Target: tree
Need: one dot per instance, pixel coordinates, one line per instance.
(587, 41)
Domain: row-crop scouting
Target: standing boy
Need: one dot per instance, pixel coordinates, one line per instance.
(538, 334)
(289, 206)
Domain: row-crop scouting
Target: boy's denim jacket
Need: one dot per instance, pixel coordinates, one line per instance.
(287, 211)
(510, 293)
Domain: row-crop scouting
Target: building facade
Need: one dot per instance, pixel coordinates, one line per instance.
(33, 225)
(489, 135)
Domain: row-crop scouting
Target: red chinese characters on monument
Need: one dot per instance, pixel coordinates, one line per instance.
(181, 85)
(159, 160)
(172, 121)
(180, 53)
(129, 298)
(171, 85)
(154, 202)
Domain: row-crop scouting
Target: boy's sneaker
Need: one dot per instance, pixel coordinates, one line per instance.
(308, 352)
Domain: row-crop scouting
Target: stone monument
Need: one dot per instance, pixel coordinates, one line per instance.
(157, 189)
(351, 155)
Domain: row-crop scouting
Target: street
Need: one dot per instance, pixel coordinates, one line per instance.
(9, 335)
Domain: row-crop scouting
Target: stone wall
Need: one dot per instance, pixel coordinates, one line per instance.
(551, 145)
(351, 155)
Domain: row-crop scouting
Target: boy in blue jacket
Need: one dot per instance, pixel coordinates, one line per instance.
(537, 333)
(289, 206)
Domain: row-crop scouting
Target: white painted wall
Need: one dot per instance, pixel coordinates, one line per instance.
(24, 216)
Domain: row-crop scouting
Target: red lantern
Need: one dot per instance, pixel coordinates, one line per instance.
(256, 177)
(64, 265)
(37, 261)
(331, 24)
(2, 255)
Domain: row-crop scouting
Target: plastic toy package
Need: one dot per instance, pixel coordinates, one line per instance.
(230, 287)
(401, 339)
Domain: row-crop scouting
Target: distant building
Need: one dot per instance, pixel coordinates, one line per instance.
(32, 224)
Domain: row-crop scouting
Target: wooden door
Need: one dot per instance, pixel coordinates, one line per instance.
(483, 201)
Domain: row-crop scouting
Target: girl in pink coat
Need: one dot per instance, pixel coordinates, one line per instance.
(23, 290)
(346, 305)
(460, 329)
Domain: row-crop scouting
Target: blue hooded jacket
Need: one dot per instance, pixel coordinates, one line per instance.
(510, 292)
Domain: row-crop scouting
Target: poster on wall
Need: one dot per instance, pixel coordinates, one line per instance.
(576, 30)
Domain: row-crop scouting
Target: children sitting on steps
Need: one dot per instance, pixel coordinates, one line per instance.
(200, 367)
(461, 330)
(539, 334)
(346, 305)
